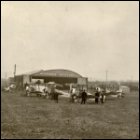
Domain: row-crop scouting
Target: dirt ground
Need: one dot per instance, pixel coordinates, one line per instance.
(34, 117)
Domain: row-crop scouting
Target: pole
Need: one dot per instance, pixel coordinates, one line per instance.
(15, 73)
(106, 78)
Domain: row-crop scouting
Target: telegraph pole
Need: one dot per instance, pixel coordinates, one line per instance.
(106, 78)
(15, 72)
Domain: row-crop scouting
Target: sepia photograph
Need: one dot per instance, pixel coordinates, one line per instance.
(69, 69)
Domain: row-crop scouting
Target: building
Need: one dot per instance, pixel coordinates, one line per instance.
(60, 76)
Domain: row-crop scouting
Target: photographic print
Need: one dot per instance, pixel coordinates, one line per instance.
(70, 70)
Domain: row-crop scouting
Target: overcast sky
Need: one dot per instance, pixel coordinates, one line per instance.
(86, 37)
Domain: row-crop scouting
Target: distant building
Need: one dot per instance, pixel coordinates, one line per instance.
(60, 76)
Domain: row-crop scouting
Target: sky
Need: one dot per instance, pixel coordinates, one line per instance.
(89, 38)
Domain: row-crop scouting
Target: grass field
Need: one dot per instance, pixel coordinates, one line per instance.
(34, 117)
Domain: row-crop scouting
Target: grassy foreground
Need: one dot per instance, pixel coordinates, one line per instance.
(34, 117)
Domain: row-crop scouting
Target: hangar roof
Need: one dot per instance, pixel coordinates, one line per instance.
(57, 73)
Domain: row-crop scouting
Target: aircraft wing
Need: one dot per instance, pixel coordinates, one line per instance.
(62, 93)
(111, 93)
(89, 95)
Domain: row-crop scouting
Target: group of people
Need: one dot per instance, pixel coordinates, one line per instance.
(99, 96)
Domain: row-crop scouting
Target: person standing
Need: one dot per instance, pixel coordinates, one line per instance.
(84, 97)
(97, 96)
(27, 90)
(102, 97)
(52, 93)
(71, 96)
(56, 97)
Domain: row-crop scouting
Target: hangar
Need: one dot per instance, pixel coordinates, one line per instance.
(60, 76)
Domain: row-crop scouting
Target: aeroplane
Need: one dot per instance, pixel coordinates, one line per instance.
(45, 89)
(107, 94)
(10, 88)
(113, 94)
